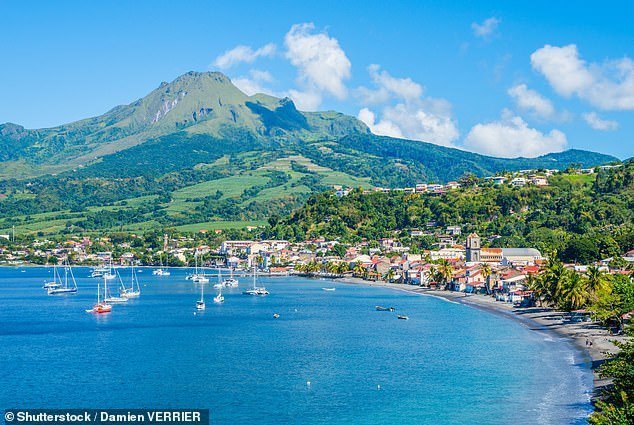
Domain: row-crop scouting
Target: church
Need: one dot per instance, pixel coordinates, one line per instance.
(504, 256)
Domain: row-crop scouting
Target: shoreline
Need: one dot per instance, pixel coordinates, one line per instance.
(536, 318)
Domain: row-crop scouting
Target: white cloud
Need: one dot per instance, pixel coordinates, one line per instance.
(531, 101)
(305, 100)
(409, 115)
(608, 85)
(243, 54)
(511, 137)
(321, 63)
(598, 123)
(255, 82)
(388, 87)
(382, 128)
(486, 28)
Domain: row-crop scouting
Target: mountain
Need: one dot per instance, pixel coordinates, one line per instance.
(198, 149)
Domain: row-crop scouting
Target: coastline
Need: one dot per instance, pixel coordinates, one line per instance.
(591, 340)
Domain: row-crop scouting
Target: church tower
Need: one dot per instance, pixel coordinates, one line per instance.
(473, 248)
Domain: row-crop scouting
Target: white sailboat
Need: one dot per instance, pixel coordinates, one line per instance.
(219, 298)
(231, 282)
(55, 283)
(99, 271)
(110, 273)
(161, 271)
(134, 291)
(199, 276)
(220, 283)
(66, 286)
(108, 297)
(256, 290)
(200, 304)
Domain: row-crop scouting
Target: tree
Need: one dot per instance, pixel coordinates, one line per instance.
(617, 406)
(343, 267)
(575, 291)
(359, 269)
(389, 276)
(596, 280)
(486, 271)
(445, 270)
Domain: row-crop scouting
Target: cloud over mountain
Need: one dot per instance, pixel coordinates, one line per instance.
(322, 65)
(511, 137)
(243, 54)
(405, 112)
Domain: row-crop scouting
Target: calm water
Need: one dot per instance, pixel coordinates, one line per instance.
(449, 364)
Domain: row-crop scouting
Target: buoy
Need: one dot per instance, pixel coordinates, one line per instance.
(378, 387)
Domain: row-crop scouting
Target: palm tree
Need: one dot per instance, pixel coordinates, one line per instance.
(576, 291)
(430, 275)
(485, 269)
(332, 267)
(313, 267)
(390, 275)
(596, 280)
(445, 269)
(555, 280)
(343, 267)
(359, 269)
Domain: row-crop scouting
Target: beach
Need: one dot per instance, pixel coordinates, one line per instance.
(590, 338)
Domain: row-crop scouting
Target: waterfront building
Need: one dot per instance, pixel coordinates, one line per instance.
(473, 248)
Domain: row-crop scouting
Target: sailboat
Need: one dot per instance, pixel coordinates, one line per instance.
(161, 271)
(134, 290)
(256, 290)
(200, 304)
(220, 283)
(107, 297)
(100, 271)
(199, 277)
(100, 307)
(55, 282)
(231, 282)
(219, 298)
(110, 273)
(68, 286)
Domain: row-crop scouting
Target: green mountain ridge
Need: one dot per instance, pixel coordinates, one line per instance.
(199, 150)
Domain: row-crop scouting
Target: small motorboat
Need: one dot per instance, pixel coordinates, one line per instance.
(379, 308)
(329, 289)
(276, 316)
(402, 317)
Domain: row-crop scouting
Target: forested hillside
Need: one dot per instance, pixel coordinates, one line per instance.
(583, 218)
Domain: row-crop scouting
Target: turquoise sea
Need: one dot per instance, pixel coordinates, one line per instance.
(329, 358)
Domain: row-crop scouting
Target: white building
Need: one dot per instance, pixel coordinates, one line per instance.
(518, 181)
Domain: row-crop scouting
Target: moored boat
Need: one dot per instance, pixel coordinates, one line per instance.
(200, 304)
(100, 306)
(379, 308)
(68, 286)
(134, 291)
(255, 290)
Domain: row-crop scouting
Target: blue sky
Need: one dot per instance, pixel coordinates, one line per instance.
(499, 78)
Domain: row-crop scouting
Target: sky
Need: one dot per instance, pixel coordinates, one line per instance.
(494, 77)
